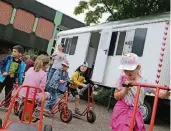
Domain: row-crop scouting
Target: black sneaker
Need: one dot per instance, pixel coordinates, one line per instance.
(77, 111)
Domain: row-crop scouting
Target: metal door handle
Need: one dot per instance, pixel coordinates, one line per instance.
(105, 51)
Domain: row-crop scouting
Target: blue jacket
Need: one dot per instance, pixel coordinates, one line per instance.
(55, 81)
(5, 66)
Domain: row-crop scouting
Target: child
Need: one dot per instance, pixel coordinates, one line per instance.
(57, 57)
(36, 76)
(30, 62)
(78, 79)
(11, 71)
(123, 110)
(57, 84)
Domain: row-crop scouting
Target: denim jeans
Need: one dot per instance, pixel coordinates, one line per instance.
(50, 75)
(51, 102)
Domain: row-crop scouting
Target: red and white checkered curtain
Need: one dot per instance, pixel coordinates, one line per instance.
(5, 13)
(24, 21)
(44, 29)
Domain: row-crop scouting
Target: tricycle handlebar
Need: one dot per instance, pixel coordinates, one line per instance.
(146, 86)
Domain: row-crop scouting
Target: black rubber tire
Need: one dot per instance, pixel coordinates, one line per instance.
(147, 112)
(20, 115)
(0, 123)
(47, 128)
(91, 116)
(69, 112)
(16, 106)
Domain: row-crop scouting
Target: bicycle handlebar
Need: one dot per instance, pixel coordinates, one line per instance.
(127, 85)
(146, 86)
(92, 86)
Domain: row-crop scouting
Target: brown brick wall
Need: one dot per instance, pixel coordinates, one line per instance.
(24, 21)
(5, 13)
(44, 29)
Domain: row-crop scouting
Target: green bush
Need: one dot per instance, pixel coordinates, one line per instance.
(31, 53)
(102, 97)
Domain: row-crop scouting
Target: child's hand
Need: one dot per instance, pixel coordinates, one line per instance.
(127, 87)
(84, 85)
(126, 82)
(16, 81)
(5, 74)
(167, 94)
(163, 94)
(62, 81)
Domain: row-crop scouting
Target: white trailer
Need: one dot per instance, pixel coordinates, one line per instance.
(103, 45)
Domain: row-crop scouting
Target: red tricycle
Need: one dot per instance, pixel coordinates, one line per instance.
(137, 99)
(6, 100)
(89, 110)
(62, 107)
(28, 108)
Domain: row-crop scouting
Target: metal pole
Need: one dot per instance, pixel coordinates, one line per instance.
(135, 109)
(154, 110)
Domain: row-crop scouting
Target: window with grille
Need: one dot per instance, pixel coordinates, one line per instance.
(24, 21)
(69, 45)
(5, 13)
(132, 41)
(45, 29)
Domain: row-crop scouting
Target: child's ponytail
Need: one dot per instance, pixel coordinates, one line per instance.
(40, 62)
(38, 65)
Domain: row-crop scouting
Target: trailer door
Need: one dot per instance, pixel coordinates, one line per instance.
(102, 54)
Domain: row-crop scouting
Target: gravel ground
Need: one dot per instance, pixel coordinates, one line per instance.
(101, 123)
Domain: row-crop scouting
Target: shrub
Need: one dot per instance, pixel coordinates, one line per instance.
(102, 97)
(31, 53)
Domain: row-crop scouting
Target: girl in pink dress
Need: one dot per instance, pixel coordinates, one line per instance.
(123, 110)
(36, 76)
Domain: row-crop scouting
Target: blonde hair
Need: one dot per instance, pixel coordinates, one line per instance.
(40, 62)
(27, 56)
(59, 46)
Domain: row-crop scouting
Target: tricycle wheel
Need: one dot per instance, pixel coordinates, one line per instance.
(26, 116)
(0, 123)
(16, 106)
(91, 116)
(47, 128)
(66, 116)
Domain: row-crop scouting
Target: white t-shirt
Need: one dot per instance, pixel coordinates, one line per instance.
(57, 60)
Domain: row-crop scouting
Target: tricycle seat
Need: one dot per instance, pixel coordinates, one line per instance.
(18, 126)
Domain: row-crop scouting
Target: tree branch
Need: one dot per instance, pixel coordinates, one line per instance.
(111, 12)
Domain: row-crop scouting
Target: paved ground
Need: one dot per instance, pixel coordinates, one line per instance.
(101, 123)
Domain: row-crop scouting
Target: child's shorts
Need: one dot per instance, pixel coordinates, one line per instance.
(38, 96)
(46, 96)
(73, 91)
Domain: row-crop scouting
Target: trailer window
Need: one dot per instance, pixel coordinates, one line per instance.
(63, 40)
(132, 41)
(112, 43)
(65, 45)
(121, 43)
(68, 45)
(73, 45)
(139, 41)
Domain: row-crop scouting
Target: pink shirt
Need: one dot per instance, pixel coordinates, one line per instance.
(33, 78)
